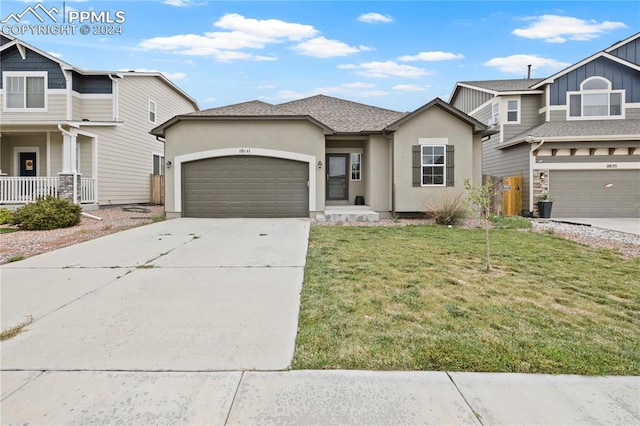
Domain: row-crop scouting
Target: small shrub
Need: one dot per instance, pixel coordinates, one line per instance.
(15, 258)
(450, 208)
(48, 213)
(6, 216)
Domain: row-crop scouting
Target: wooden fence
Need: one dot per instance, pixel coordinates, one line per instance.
(157, 189)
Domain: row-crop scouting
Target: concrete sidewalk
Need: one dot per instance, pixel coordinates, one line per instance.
(193, 321)
(316, 398)
(628, 225)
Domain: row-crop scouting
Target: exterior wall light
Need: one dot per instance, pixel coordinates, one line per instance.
(320, 164)
(168, 164)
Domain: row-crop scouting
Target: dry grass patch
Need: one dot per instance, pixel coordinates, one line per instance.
(416, 298)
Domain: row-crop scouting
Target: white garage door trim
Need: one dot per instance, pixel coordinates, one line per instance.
(227, 152)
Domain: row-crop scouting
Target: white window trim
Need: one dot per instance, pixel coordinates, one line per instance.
(606, 91)
(518, 110)
(495, 112)
(444, 164)
(7, 74)
(353, 154)
(155, 112)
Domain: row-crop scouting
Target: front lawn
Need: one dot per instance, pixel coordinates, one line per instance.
(415, 298)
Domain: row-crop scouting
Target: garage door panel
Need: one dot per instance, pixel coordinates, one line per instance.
(595, 193)
(245, 186)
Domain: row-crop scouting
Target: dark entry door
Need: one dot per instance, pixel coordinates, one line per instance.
(337, 178)
(28, 164)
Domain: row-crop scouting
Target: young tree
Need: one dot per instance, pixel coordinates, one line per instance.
(480, 196)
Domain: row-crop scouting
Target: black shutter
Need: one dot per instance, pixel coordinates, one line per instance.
(417, 164)
(450, 162)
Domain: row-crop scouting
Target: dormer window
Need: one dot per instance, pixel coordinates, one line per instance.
(596, 100)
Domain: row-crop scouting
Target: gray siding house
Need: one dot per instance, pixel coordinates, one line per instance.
(574, 136)
(302, 158)
(79, 134)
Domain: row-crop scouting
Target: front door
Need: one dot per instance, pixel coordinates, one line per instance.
(337, 178)
(28, 164)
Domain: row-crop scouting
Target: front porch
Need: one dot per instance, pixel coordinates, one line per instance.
(17, 190)
(50, 161)
(347, 213)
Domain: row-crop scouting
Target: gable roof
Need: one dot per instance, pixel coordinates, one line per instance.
(603, 53)
(21, 46)
(497, 86)
(478, 127)
(252, 110)
(344, 116)
(583, 130)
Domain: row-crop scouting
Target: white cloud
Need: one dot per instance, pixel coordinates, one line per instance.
(244, 33)
(385, 69)
(372, 93)
(182, 3)
(375, 18)
(346, 89)
(410, 88)
(431, 56)
(358, 85)
(559, 29)
(517, 64)
(268, 29)
(321, 47)
(265, 86)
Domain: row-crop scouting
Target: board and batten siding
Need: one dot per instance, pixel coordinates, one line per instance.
(469, 99)
(629, 52)
(125, 152)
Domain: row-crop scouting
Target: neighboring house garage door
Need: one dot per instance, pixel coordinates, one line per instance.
(245, 186)
(595, 193)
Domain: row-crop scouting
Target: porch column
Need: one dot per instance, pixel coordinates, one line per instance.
(69, 179)
(69, 142)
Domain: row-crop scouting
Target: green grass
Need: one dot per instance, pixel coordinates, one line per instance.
(510, 222)
(7, 230)
(14, 331)
(415, 298)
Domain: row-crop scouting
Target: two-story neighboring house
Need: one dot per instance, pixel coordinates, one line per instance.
(80, 134)
(574, 135)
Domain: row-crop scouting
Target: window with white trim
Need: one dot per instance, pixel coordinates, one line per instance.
(25, 91)
(595, 100)
(152, 111)
(513, 111)
(433, 165)
(356, 166)
(158, 164)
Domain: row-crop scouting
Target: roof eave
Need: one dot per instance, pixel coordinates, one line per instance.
(592, 138)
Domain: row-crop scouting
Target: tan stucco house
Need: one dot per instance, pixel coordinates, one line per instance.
(79, 134)
(299, 158)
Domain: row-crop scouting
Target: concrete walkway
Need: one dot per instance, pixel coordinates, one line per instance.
(193, 321)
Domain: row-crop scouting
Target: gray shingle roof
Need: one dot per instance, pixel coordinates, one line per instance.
(248, 109)
(582, 128)
(521, 84)
(344, 116)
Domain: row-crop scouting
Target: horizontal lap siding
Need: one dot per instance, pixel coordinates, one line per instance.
(125, 152)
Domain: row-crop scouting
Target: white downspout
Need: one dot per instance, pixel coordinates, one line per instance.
(532, 140)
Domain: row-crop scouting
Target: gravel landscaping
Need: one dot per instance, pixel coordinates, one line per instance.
(22, 244)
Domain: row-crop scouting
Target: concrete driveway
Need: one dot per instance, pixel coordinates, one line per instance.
(629, 225)
(180, 295)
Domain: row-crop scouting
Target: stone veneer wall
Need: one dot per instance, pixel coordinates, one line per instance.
(540, 186)
(65, 187)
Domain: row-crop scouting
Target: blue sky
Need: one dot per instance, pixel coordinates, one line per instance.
(396, 55)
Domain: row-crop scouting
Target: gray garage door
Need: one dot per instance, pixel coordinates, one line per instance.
(245, 186)
(595, 193)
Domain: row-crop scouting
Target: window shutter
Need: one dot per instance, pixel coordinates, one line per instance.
(417, 164)
(450, 163)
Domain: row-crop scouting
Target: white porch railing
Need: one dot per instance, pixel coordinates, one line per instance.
(20, 190)
(88, 190)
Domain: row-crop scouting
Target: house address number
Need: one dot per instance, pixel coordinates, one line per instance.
(612, 166)
(244, 151)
